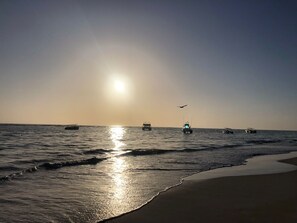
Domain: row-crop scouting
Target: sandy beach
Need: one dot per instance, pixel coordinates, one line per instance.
(223, 196)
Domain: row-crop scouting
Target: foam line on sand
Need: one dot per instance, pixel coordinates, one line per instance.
(258, 165)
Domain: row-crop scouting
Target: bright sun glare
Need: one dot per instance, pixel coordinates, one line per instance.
(118, 89)
(119, 86)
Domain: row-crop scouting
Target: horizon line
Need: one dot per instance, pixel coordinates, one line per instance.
(114, 125)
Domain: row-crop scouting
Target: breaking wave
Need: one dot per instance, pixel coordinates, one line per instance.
(53, 166)
(96, 151)
(146, 152)
(137, 152)
(164, 169)
(18, 174)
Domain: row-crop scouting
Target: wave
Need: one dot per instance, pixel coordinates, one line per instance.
(70, 145)
(164, 169)
(137, 152)
(96, 151)
(146, 152)
(247, 143)
(28, 161)
(263, 141)
(17, 174)
(53, 166)
(228, 146)
(188, 150)
(64, 155)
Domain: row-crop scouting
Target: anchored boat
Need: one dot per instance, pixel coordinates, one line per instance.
(187, 128)
(228, 131)
(72, 127)
(251, 131)
(146, 126)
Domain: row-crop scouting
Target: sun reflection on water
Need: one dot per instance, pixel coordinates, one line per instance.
(119, 179)
(116, 134)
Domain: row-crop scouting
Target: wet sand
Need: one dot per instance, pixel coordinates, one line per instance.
(252, 198)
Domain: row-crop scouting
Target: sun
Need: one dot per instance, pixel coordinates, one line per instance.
(119, 86)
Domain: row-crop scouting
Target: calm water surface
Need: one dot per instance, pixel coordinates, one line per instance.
(48, 174)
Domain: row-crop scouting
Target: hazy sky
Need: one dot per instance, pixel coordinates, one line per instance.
(125, 62)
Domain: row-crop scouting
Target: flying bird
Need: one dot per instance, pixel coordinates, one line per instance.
(182, 106)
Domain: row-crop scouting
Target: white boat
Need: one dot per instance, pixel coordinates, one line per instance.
(228, 131)
(146, 126)
(187, 128)
(251, 131)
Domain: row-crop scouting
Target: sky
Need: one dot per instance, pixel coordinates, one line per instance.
(125, 62)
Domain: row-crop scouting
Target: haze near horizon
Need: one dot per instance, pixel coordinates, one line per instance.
(126, 62)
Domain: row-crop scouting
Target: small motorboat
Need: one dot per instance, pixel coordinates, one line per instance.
(146, 126)
(72, 127)
(228, 131)
(187, 128)
(251, 131)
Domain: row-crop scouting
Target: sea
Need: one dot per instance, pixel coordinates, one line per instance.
(48, 174)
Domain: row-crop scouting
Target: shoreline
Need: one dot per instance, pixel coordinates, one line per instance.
(257, 165)
(173, 204)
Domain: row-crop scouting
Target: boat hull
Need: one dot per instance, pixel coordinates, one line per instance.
(251, 131)
(228, 132)
(187, 131)
(146, 128)
(72, 128)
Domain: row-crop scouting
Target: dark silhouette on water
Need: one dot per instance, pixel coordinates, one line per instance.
(251, 131)
(146, 126)
(72, 127)
(58, 165)
(228, 131)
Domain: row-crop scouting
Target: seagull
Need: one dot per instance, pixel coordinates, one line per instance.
(182, 106)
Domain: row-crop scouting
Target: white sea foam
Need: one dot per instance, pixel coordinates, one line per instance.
(258, 165)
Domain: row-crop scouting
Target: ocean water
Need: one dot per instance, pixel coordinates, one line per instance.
(48, 174)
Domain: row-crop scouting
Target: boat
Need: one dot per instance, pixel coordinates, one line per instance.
(72, 127)
(146, 126)
(228, 131)
(187, 128)
(251, 131)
